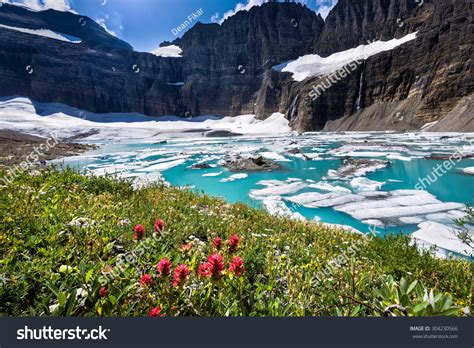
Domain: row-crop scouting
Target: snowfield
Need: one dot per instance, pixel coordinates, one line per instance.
(313, 65)
(21, 114)
(172, 51)
(45, 33)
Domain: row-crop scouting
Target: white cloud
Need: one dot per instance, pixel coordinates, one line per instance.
(40, 5)
(215, 17)
(325, 6)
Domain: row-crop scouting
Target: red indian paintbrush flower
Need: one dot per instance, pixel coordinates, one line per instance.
(233, 243)
(203, 270)
(237, 266)
(103, 292)
(164, 267)
(215, 265)
(159, 225)
(217, 243)
(146, 280)
(181, 274)
(155, 312)
(138, 232)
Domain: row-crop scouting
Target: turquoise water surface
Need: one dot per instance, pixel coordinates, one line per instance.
(407, 157)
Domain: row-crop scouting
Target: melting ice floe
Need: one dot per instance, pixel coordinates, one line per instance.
(314, 65)
(234, 177)
(469, 170)
(45, 33)
(442, 237)
(364, 184)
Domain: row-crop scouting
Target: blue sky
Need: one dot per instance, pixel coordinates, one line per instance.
(147, 23)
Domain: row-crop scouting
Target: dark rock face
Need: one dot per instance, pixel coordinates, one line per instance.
(227, 69)
(222, 66)
(419, 82)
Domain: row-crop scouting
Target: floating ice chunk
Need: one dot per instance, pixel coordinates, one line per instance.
(270, 183)
(365, 212)
(213, 174)
(469, 170)
(446, 217)
(375, 194)
(324, 186)
(412, 198)
(274, 205)
(277, 190)
(411, 220)
(373, 222)
(363, 184)
(274, 156)
(399, 157)
(235, 177)
(317, 200)
(443, 237)
(365, 154)
(162, 166)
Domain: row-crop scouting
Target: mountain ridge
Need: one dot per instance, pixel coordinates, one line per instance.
(227, 69)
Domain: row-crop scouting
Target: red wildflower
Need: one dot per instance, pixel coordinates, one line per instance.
(155, 312)
(217, 243)
(203, 270)
(237, 266)
(138, 232)
(215, 265)
(164, 267)
(159, 225)
(181, 274)
(145, 280)
(103, 292)
(233, 243)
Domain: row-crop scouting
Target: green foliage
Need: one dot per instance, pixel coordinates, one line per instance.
(404, 299)
(464, 235)
(63, 237)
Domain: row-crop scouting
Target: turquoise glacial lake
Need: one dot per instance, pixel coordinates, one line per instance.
(387, 182)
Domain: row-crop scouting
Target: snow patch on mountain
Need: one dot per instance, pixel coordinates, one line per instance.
(45, 33)
(312, 65)
(171, 51)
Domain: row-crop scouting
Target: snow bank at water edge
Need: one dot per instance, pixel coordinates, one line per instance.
(444, 238)
(45, 119)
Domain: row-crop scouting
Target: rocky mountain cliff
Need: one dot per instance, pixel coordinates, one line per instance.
(227, 69)
(427, 80)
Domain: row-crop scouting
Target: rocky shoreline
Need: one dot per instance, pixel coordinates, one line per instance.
(17, 148)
